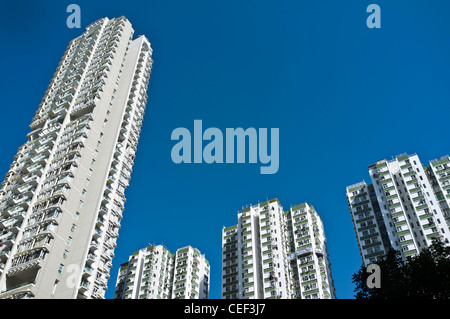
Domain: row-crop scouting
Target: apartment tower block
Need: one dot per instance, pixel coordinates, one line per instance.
(154, 273)
(62, 199)
(405, 207)
(273, 254)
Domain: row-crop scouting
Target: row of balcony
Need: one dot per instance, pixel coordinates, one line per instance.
(27, 261)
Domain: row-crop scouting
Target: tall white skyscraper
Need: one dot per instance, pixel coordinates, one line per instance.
(154, 273)
(273, 254)
(405, 208)
(62, 200)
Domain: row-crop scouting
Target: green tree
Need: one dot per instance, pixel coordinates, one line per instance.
(429, 273)
(426, 276)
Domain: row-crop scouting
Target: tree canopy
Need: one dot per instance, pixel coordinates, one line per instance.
(423, 276)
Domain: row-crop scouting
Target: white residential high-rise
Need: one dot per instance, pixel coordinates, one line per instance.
(367, 221)
(438, 173)
(62, 200)
(404, 209)
(309, 260)
(154, 273)
(275, 254)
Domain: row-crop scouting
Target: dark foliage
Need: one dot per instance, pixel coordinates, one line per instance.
(424, 276)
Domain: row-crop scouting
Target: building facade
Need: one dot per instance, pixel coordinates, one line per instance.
(367, 221)
(275, 254)
(154, 273)
(438, 173)
(405, 208)
(62, 199)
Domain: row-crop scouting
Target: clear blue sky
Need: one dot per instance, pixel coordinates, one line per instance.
(342, 95)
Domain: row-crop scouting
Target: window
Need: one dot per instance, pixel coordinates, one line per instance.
(77, 214)
(66, 252)
(69, 240)
(61, 267)
(73, 228)
(80, 204)
(83, 192)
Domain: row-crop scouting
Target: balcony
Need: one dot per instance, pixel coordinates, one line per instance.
(90, 259)
(318, 251)
(26, 189)
(112, 232)
(25, 287)
(115, 222)
(82, 129)
(43, 149)
(111, 179)
(93, 246)
(108, 189)
(36, 169)
(33, 179)
(97, 233)
(102, 281)
(106, 199)
(124, 180)
(40, 158)
(15, 211)
(66, 180)
(117, 211)
(20, 200)
(52, 215)
(8, 239)
(13, 225)
(87, 272)
(39, 122)
(100, 221)
(76, 76)
(113, 170)
(28, 261)
(60, 110)
(61, 191)
(98, 294)
(84, 286)
(84, 107)
(117, 152)
(103, 209)
(69, 170)
(5, 254)
(111, 243)
(80, 139)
